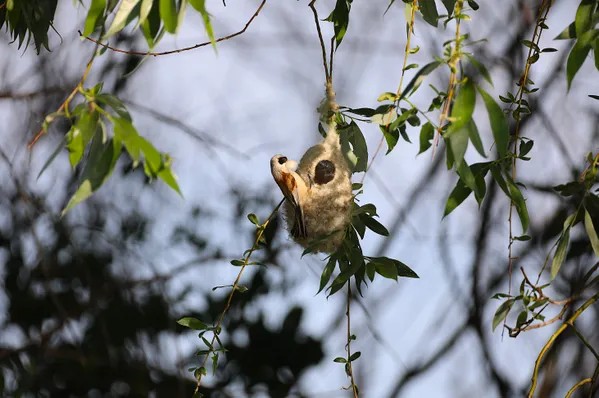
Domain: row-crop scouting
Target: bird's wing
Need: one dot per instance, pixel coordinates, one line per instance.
(294, 197)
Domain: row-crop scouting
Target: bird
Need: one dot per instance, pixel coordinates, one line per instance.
(294, 190)
(319, 193)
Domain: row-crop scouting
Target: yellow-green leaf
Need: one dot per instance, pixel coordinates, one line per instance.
(591, 232)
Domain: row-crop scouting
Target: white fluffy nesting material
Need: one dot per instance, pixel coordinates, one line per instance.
(328, 202)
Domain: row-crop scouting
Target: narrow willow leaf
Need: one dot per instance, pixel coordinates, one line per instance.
(144, 11)
(480, 67)
(520, 203)
(498, 177)
(457, 144)
(426, 135)
(499, 124)
(449, 6)
(391, 137)
(474, 136)
(340, 19)
(560, 252)
(95, 10)
(591, 232)
(459, 194)
(61, 145)
(126, 132)
(100, 165)
(122, 17)
(584, 16)
(168, 14)
(570, 31)
(200, 6)
(326, 273)
(463, 107)
(360, 148)
(428, 9)
(192, 323)
(418, 78)
(386, 269)
(375, 226)
(81, 134)
(579, 53)
(502, 312)
(596, 52)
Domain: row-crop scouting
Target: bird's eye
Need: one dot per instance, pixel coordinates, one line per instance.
(282, 160)
(324, 172)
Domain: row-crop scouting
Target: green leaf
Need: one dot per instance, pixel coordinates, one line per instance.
(391, 137)
(579, 53)
(522, 238)
(192, 323)
(457, 144)
(200, 6)
(238, 263)
(340, 19)
(560, 252)
(463, 107)
(502, 312)
(525, 147)
(591, 232)
(144, 11)
(123, 16)
(374, 225)
(428, 9)
(418, 78)
(584, 15)
(100, 164)
(386, 269)
(126, 132)
(355, 356)
(519, 202)
(151, 29)
(522, 317)
(360, 148)
(480, 67)
(595, 46)
(54, 155)
(499, 124)
(326, 273)
(81, 134)
(449, 6)
(402, 269)
(427, 133)
(475, 138)
(370, 270)
(340, 360)
(459, 193)
(570, 31)
(168, 14)
(253, 219)
(95, 10)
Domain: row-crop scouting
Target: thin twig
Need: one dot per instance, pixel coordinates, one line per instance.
(180, 50)
(349, 365)
(399, 89)
(536, 36)
(65, 104)
(579, 384)
(324, 51)
(552, 339)
(453, 61)
(246, 260)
